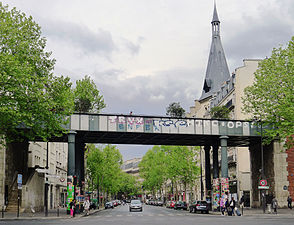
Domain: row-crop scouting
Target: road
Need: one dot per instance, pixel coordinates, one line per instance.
(153, 215)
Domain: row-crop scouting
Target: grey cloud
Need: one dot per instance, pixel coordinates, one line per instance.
(100, 42)
(256, 37)
(150, 95)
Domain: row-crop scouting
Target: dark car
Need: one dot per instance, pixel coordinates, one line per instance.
(201, 206)
(181, 205)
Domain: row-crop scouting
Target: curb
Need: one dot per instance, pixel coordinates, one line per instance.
(50, 217)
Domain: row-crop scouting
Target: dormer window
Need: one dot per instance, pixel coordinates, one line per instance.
(207, 85)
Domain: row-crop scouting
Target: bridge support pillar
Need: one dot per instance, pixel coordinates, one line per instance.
(215, 162)
(224, 168)
(79, 163)
(70, 168)
(207, 170)
(207, 174)
(216, 184)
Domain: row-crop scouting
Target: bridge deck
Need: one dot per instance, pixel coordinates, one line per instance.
(147, 130)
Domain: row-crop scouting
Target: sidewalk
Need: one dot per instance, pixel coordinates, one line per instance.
(259, 211)
(52, 214)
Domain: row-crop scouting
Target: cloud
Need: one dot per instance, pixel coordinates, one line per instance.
(133, 48)
(98, 42)
(150, 94)
(254, 36)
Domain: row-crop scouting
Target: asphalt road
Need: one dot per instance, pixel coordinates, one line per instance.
(153, 215)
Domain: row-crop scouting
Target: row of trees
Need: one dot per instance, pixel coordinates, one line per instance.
(169, 164)
(104, 172)
(30, 94)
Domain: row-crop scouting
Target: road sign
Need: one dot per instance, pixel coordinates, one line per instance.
(19, 181)
(263, 187)
(263, 183)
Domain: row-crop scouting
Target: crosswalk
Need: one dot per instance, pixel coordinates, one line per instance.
(144, 215)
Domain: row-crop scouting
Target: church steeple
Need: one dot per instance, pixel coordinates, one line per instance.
(215, 22)
(217, 71)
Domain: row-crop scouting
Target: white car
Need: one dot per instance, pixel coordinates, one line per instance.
(136, 205)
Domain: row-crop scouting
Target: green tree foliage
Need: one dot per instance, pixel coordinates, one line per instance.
(87, 97)
(271, 97)
(175, 110)
(163, 163)
(220, 112)
(128, 185)
(152, 169)
(103, 168)
(29, 93)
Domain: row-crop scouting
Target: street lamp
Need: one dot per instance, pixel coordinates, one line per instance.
(46, 182)
(259, 121)
(262, 167)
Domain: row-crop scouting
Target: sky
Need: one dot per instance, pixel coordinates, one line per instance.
(145, 54)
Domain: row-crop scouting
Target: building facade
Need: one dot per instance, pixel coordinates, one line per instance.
(244, 164)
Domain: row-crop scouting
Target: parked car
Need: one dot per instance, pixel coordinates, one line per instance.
(181, 205)
(135, 205)
(172, 204)
(201, 206)
(159, 203)
(115, 203)
(109, 205)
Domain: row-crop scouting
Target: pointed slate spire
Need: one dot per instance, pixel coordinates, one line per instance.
(215, 16)
(217, 71)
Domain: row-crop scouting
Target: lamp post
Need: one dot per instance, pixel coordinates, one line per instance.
(262, 168)
(46, 182)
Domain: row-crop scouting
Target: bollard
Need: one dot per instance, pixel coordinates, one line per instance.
(58, 210)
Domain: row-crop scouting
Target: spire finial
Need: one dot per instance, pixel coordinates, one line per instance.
(215, 16)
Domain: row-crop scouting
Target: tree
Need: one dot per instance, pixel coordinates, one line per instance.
(220, 112)
(87, 97)
(152, 169)
(30, 95)
(103, 167)
(271, 97)
(168, 163)
(175, 110)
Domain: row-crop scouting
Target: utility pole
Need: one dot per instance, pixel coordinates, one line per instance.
(46, 182)
(262, 168)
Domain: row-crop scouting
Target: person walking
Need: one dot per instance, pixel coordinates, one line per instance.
(222, 206)
(275, 205)
(71, 205)
(242, 200)
(289, 200)
(233, 205)
(87, 206)
(227, 207)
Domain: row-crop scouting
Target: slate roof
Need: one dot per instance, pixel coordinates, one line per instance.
(217, 71)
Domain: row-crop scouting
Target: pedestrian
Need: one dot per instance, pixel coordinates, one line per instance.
(222, 206)
(289, 200)
(87, 206)
(233, 205)
(71, 206)
(242, 203)
(275, 205)
(227, 207)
